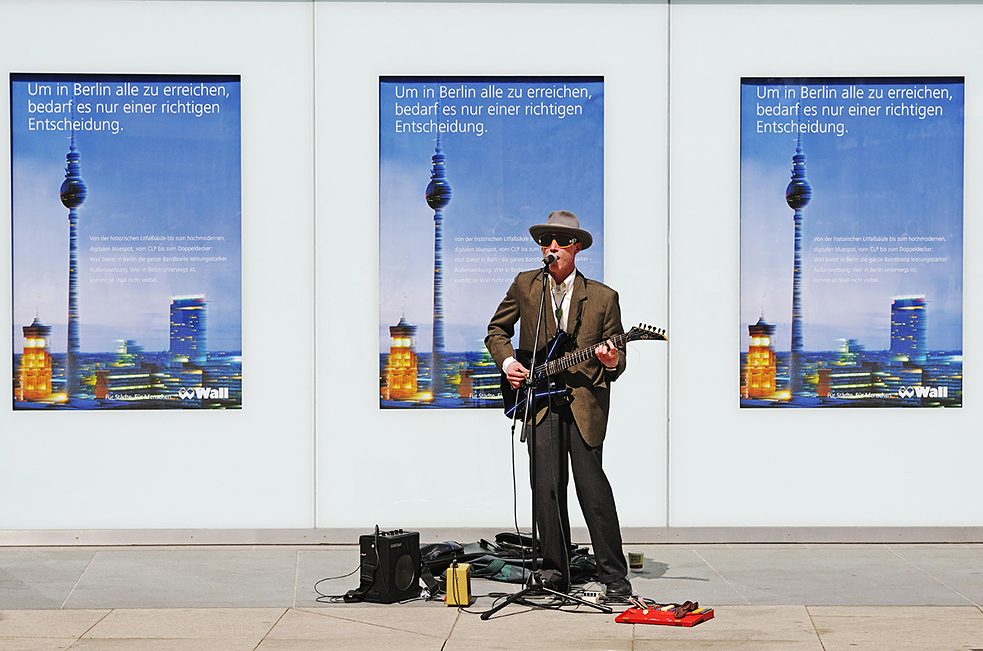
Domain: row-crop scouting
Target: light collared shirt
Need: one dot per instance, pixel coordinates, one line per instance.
(568, 284)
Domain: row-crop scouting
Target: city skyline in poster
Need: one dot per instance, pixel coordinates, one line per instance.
(150, 167)
(875, 169)
(511, 149)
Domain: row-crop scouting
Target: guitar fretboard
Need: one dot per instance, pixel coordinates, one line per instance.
(563, 363)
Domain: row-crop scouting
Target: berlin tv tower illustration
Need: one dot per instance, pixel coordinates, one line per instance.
(797, 195)
(73, 193)
(438, 196)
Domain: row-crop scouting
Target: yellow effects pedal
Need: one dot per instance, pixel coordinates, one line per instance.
(458, 585)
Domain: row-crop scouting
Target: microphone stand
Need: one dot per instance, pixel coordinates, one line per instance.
(535, 585)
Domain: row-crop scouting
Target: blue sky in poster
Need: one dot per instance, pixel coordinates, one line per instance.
(504, 181)
(895, 176)
(166, 175)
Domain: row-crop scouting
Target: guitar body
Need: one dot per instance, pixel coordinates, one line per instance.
(551, 360)
(544, 385)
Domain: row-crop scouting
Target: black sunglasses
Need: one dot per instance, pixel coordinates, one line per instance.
(562, 241)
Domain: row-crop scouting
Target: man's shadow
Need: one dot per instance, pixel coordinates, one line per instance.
(657, 570)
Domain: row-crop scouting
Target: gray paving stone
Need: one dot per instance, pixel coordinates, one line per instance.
(361, 627)
(48, 623)
(39, 578)
(216, 624)
(36, 644)
(157, 644)
(518, 627)
(874, 628)
(737, 627)
(826, 575)
(958, 566)
(181, 577)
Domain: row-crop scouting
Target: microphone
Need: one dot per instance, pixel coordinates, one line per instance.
(549, 259)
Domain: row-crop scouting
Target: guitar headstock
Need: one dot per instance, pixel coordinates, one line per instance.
(643, 332)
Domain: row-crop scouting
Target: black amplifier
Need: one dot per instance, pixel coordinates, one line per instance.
(390, 565)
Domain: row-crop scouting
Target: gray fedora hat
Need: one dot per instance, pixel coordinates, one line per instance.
(562, 221)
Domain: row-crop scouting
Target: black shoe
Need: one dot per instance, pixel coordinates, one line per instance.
(619, 588)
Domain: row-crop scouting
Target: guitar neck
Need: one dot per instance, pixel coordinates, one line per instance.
(563, 363)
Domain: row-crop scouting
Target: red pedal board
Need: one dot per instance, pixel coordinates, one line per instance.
(664, 617)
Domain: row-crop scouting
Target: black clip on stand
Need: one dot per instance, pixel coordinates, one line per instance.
(535, 585)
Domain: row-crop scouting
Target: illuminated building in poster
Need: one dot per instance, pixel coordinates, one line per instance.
(401, 366)
(224, 372)
(485, 380)
(908, 329)
(188, 329)
(127, 352)
(34, 377)
(126, 376)
(134, 376)
(759, 371)
(797, 195)
(73, 192)
(851, 376)
(438, 197)
(128, 384)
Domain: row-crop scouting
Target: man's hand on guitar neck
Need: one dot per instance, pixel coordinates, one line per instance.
(607, 354)
(516, 373)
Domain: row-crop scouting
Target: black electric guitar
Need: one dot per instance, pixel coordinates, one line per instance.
(540, 377)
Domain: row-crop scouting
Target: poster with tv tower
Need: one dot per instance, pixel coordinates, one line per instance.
(466, 166)
(851, 242)
(126, 245)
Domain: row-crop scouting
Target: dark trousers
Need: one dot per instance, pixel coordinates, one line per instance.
(556, 439)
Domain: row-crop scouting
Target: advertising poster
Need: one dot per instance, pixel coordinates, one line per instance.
(466, 166)
(851, 242)
(126, 241)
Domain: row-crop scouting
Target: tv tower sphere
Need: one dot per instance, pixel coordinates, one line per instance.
(799, 192)
(439, 189)
(73, 190)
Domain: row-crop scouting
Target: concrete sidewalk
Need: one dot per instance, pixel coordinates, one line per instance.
(764, 596)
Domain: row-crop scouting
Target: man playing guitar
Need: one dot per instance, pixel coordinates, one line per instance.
(575, 425)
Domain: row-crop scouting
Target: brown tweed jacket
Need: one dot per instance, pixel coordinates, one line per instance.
(594, 316)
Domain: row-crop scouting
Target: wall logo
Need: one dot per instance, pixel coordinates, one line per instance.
(203, 393)
(923, 392)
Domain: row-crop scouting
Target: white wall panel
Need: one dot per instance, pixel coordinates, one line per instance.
(801, 467)
(167, 469)
(435, 468)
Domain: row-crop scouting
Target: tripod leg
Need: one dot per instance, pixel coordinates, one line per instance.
(521, 594)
